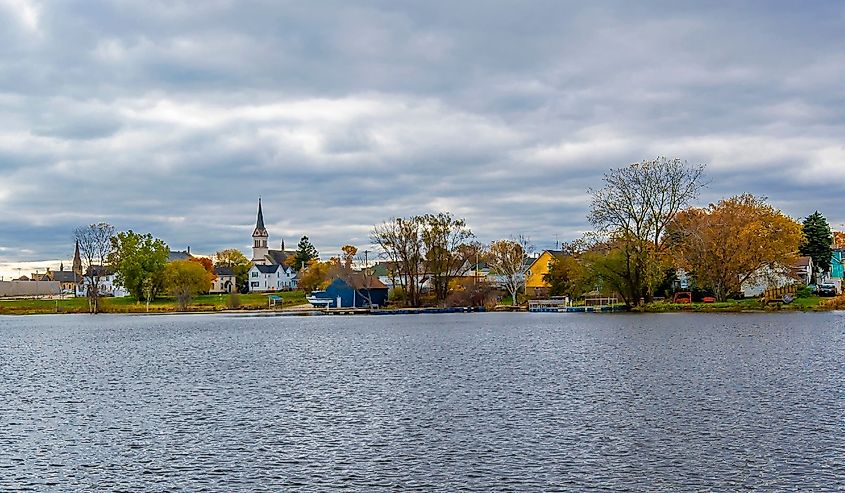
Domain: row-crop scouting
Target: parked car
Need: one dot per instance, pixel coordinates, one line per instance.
(826, 289)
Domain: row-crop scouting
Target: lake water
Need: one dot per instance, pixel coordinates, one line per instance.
(478, 402)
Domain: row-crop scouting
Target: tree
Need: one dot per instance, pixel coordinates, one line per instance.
(566, 277)
(818, 243)
(635, 206)
(206, 264)
(733, 241)
(185, 279)
(236, 261)
(94, 247)
(443, 237)
(138, 261)
(315, 275)
(401, 241)
(507, 259)
(305, 252)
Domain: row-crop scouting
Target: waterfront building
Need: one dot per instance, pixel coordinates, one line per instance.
(535, 285)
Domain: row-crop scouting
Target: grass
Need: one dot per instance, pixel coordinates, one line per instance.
(752, 304)
(207, 302)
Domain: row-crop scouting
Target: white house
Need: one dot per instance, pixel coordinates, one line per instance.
(107, 286)
(263, 278)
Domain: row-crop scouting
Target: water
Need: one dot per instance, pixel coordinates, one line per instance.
(479, 402)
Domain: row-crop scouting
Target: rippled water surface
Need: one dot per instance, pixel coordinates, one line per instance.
(442, 402)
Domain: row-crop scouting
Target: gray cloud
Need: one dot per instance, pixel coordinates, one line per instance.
(170, 118)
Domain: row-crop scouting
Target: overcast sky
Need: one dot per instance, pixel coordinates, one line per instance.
(173, 117)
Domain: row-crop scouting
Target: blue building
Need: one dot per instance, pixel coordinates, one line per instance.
(836, 268)
(356, 292)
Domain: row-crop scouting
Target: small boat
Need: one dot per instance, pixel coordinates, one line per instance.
(319, 301)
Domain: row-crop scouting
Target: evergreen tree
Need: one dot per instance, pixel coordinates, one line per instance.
(818, 242)
(305, 252)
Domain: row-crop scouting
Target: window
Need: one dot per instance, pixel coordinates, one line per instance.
(254, 284)
(255, 274)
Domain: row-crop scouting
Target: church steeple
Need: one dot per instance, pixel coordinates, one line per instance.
(77, 261)
(260, 230)
(259, 238)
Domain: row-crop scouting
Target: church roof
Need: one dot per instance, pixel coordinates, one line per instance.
(279, 256)
(260, 230)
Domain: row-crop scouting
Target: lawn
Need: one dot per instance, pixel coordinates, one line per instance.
(750, 304)
(207, 302)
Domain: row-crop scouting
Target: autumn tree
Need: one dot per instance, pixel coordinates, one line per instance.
(236, 261)
(506, 259)
(734, 241)
(185, 279)
(633, 209)
(305, 252)
(206, 264)
(315, 275)
(94, 247)
(138, 261)
(443, 237)
(818, 243)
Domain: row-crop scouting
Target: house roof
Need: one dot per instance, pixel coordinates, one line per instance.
(279, 256)
(100, 270)
(64, 276)
(358, 281)
(175, 255)
(803, 262)
(267, 269)
(223, 271)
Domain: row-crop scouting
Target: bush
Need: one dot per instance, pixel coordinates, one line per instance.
(804, 292)
(233, 302)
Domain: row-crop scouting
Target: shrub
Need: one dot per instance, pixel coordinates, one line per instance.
(233, 302)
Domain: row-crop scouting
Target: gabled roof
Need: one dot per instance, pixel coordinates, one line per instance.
(223, 271)
(267, 269)
(279, 256)
(175, 255)
(358, 281)
(64, 276)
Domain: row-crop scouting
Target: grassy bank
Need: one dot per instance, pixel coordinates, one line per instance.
(208, 302)
(810, 303)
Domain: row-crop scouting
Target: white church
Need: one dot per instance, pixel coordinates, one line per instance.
(269, 272)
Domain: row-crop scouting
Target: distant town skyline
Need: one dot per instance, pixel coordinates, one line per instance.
(166, 118)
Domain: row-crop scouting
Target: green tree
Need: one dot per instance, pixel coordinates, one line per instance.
(235, 260)
(185, 279)
(138, 261)
(818, 242)
(566, 277)
(305, 252)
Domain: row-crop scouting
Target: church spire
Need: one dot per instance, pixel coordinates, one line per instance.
(260, 230)
(77, 261)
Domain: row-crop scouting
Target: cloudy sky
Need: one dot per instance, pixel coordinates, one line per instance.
(173, 117)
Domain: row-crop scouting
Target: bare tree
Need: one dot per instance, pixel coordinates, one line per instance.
(634, 208)
(507, 259)
(401, 241)
(94, 247)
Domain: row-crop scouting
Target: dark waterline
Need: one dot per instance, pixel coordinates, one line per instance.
(480, 402)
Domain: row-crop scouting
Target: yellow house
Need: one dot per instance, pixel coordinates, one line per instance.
(535, 286)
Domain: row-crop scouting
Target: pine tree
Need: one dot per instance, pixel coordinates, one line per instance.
(305, 251)
(818, 241)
